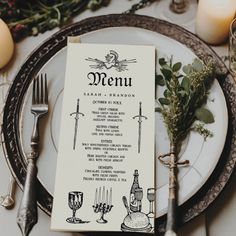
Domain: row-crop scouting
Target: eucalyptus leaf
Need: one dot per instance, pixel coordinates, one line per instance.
(166, 93)
(167, 67)
(185, 84)
(160, 80)
(162, 61)
(197, 65)
(177, 66)
(187, 69)
(164, 101)
(184, 95)
(204, 115)
(167, 73)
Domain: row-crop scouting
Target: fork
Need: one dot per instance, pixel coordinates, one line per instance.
(27, 214)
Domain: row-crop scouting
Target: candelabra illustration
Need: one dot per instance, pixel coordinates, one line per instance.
(102, 203)
(140, 120)
(76, 114)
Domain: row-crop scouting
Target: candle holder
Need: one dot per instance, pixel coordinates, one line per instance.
(181, 12)
(101, 204)
(179, 6)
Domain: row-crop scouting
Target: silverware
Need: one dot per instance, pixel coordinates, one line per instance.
(8, 200)
(27, 214)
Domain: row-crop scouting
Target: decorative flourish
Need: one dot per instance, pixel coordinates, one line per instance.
(111, 60)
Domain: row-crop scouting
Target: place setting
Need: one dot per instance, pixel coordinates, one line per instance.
(122, 122)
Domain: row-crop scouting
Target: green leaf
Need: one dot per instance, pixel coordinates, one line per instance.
(166, 93)
(164, 101)
(162, 61)
(185, 84)
(187, 69)
(176, 67)
(197, 65)
(167, 73)
(204, 115)
(167, 67)
(160, 80)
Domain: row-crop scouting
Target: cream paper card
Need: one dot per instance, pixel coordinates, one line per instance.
(105, 167)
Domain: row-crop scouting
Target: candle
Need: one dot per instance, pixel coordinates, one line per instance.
(107, 198)
(99, 195)
(103, 195)
(110, 198)
(6, 44)
(213, 20)
(95, 200)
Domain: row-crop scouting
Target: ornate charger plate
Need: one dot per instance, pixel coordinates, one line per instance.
(15, 138)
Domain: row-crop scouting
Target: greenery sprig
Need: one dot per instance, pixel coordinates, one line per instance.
(32, 17)
(184, 95)
(185, 92)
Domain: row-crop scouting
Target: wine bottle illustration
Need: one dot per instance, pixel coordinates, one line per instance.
(135, 204)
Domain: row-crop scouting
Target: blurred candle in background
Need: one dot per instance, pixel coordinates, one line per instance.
(6, 44)
(213, 19)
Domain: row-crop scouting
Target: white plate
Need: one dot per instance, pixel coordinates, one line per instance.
(203, 156)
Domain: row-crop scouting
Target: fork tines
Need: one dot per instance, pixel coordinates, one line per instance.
(40, 92)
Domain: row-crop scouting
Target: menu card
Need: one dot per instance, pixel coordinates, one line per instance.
(105, 166)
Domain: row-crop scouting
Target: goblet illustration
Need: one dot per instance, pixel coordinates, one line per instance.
(75, 201)
(151, 199)
(138, 194)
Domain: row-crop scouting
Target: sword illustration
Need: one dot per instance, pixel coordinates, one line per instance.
(77, 114)
(140, 120)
